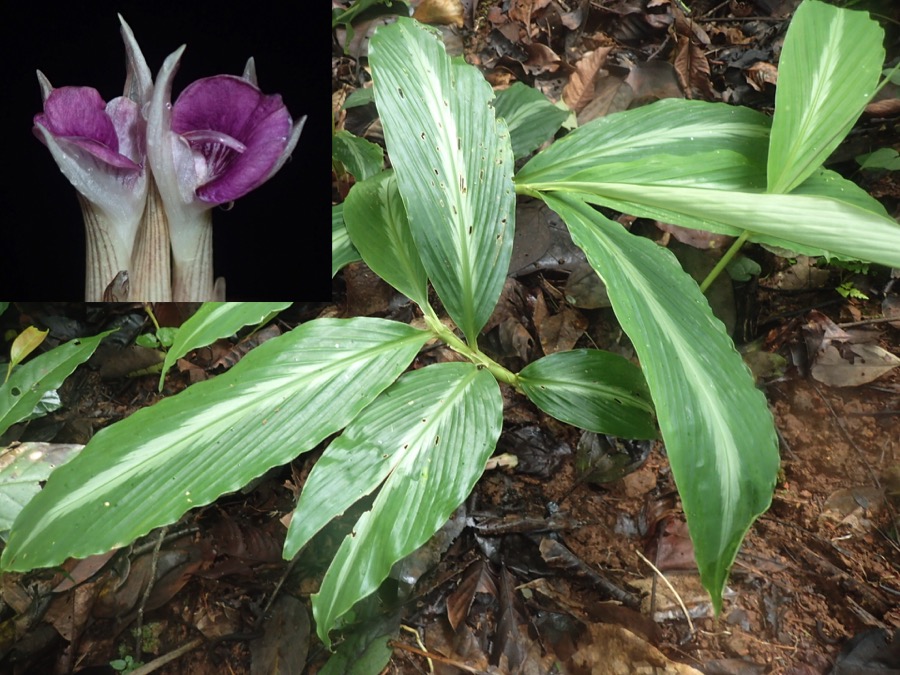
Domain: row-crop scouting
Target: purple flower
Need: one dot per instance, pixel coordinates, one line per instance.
(148, 173)
(100, 148)
(221, 139)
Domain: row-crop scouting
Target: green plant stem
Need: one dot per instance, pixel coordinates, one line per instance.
(473, 354)
(729, 254)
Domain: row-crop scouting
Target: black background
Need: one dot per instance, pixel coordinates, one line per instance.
(275, 243)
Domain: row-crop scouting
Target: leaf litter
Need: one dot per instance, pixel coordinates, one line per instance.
(815, 586)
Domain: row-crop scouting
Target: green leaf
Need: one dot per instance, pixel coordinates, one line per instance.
(364, 651)
(827, 215)
(425, 441)
(359, 98)
(379, 7)
(146, 471)
(342, 250)
(216, 320)
(677, 129)
(719, 433)
(376, 221)
(453, 164)
(22, 468)
(883, 158)
(360, 157)
(531, 118)
(828, 71)
(27, 385)
(592, 389)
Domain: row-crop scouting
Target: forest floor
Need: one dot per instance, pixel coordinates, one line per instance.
(549, 566)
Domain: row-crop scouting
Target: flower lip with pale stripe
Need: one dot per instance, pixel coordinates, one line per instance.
(238, 135)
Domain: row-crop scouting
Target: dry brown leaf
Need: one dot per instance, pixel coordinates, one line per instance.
(697, 238)
(886, 108)
(732, 35)
(653, 80)
(760, 74)
(477, 579)
(442, 12)
(609, 650)
(541, 59)
(852, 365)
(560, 332)
(692, 68)
(579, 91)
(611, 94)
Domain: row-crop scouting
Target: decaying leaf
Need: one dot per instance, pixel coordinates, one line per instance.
(442, 12)
(692, 68)
(844, 359)
(853, 364)
(760, 74)
(579, 91)
(560, 332)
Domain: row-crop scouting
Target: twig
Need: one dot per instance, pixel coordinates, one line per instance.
(280, 583)
(158, 663)
(865, 322)
(421, 644)
(396, 644)
(151, 581)
(662, 576)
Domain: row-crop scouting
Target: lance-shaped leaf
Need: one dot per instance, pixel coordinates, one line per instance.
(454, 166)
(216, 320)
(719, 433)
(827, 73)
(722, 191)
(282, 399)
(342, 249)
(531, 118)
(377, 224)
(675, 128)
(827, 215)
(425, 441)
(592, 389)
(25, 387)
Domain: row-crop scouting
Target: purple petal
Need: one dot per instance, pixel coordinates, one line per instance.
(79, 115)
(230, 105)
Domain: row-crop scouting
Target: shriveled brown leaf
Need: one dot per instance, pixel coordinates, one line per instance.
(579, 91)
(607, 650)
(697, 238)
(654, 80)
(541, 59)
(692, 68)
(611, 94)
(441, 12)
(760, 74)
(852, 364)
(561, 331)
(477, 579)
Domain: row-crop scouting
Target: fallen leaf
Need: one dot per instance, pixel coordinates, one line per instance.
(442, 12)
(853, 365)
(579, 90)
(692, 68)
(654, 80)
(561, 331)
(760, 74)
